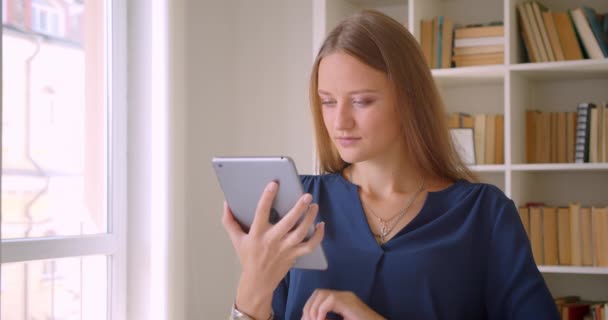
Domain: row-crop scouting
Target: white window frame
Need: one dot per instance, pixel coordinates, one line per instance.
(112, 244)
(4, 14)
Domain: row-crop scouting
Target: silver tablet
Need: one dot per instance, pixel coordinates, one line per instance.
(243, 180)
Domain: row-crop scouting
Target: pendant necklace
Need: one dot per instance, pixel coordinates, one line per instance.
(387, 225)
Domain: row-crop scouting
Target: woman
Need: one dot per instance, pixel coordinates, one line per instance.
(407, 232)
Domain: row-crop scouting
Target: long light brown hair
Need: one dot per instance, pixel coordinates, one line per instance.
(385, 45)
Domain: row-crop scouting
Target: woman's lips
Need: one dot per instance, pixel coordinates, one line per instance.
(347, 141)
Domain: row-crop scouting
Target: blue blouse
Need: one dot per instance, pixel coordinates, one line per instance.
(464, 256)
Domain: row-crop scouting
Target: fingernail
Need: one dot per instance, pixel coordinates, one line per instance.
(272, 186)
(321, 225)
(307, 198)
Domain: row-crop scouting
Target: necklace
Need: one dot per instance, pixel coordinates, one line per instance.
(386, 227)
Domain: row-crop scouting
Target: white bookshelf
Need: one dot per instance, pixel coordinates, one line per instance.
(511, 89)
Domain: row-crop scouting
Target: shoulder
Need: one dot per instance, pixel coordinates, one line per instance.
(478, 199)
(314, 180)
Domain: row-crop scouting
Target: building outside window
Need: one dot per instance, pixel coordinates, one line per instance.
(62, 230)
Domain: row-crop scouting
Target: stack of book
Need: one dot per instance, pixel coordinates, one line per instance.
(567, 236)
(488, 135)
(436, 41)
(580, 136)
(574, 308)
(479, 45)
(556, 36)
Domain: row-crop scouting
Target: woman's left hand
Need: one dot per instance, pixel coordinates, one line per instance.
(344, 303)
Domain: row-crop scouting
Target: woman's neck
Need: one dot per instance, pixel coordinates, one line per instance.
(384, 178)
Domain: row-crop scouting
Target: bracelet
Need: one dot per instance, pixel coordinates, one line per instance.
(236, 314)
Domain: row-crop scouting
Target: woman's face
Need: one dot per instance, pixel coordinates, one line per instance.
(358, 107)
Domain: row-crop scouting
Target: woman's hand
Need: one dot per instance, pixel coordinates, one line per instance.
(344, 303)
(268, 251)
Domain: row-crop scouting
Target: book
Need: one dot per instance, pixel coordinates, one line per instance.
(563, 236)
(538, 9)
(567, 36)
(599, 217)
(447, 31)
(553, 139)
(570, 136)
(490, 139)
(587, 236)
(562, 154)
(478, 59)
(436, 54)
(499, 48)
(536, 37)
(477, 42)
(553, 37)
(593, 135)
(536, 232)
(576, 244)
(550, 253)
(480, 141)
(601, 133)
(583, 29)
(481, 31)
(606, 132)
(426, 39)
(499, 142)
(598, 32)
(526, 33)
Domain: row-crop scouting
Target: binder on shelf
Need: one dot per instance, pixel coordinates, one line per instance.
(583, 126)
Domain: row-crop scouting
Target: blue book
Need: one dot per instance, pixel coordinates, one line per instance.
(439, 41)
(598, 32)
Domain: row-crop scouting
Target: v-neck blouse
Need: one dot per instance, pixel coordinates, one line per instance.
(464, 256)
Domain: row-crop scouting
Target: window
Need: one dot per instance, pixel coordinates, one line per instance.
(47, 18)
(64, 163)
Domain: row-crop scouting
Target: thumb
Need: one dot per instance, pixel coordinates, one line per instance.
(235, 232)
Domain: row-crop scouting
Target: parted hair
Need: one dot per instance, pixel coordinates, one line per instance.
(382, 43)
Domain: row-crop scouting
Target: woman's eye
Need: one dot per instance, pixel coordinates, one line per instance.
(362, 102)
(326, 102)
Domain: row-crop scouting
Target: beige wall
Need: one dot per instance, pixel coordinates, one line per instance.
(246, 74)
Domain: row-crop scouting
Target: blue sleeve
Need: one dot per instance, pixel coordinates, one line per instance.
(515, 288)
(279, 299)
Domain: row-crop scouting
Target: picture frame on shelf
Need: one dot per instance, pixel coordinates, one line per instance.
(464, 143)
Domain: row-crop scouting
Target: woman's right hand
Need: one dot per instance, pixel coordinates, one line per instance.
(268, 251)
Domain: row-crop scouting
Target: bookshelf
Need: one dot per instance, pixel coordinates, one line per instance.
(510, 89)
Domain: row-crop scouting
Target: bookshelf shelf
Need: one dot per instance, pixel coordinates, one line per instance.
(561, 167)
(511, 89)
(488, 168)
(470, 75)
(574, 270)
(579, 69)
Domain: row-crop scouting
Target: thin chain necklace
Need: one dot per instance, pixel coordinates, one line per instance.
(386, 227)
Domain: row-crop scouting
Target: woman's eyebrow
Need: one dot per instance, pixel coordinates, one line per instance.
(350, 92)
